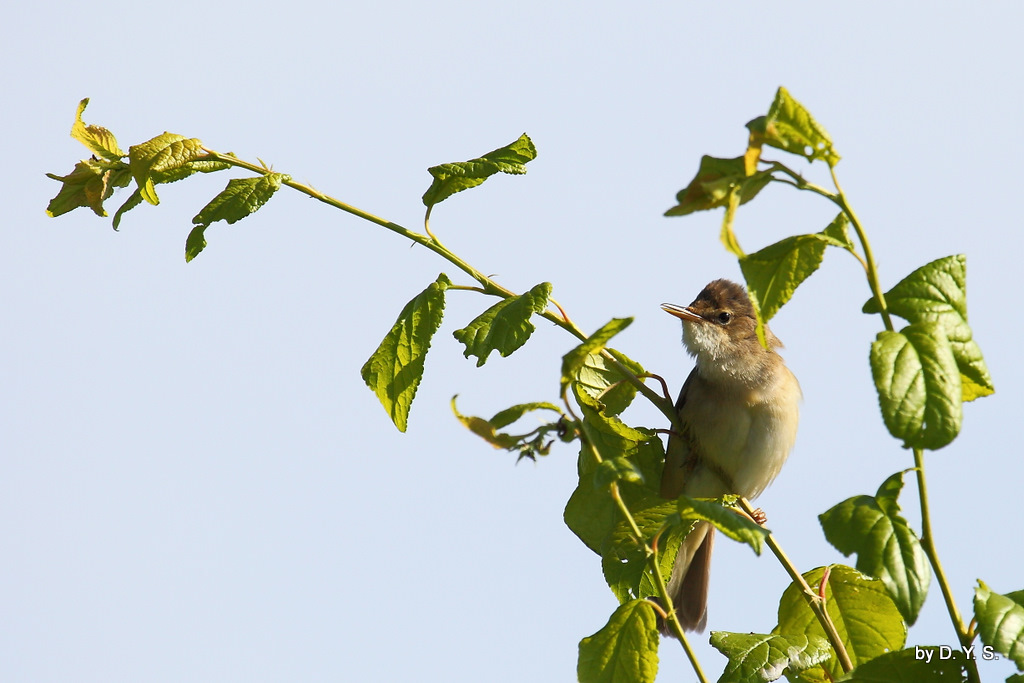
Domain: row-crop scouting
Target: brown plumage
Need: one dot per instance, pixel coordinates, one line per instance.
(739, 410)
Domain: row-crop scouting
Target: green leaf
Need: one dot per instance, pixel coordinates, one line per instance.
(918, 385)
(603, 380)
(459, 176)
(574, 360)
(485, 430)
(513, 413)
(395, 369)
(195, 242)
(616, 469)
(838, 233)
(134, 199)
(860, 607)
(715, 180)
(755, 657)
(598, 376)
(612, 438)
(625, 650)
(98, 139)
(593, 516)
(171, 176)
(161, 155)
(90, 183)
(790, 127)
(591, 513)
(625, 571)
(536, 442)
(774, 273)
(624, 557)
(242, 197)
(937, 292)
(886, 546)
(505, 326)
(726, 519)
(1001, 621)
(913, 664)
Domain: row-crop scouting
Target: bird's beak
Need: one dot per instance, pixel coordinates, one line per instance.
(684, 314)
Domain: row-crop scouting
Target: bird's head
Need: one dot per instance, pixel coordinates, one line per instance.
(720, 330)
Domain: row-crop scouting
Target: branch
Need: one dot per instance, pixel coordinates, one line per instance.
(814, 601)
(869, 259)
(652, 563)
(488, 285)
(928, 543)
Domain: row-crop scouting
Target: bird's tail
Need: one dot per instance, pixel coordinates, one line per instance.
(688, 585)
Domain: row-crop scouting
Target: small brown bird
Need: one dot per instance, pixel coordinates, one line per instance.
(739, 410)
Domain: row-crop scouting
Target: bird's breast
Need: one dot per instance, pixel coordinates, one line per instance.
(744, 434)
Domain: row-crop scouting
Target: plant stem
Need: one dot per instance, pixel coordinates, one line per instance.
(927, 539)
(673, 619)
(433, 244)
(872, 269)
(489, 286)
(492, 288)
(814, 601)
(928, 543)
(666, 407)
(799, 182)
(652, 562)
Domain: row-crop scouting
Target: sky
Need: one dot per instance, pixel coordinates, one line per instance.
(197, 485)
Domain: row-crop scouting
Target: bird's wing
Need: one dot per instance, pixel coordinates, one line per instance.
(681, 454)
(688, 582)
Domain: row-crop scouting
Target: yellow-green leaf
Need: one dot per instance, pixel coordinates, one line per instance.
(790, 127)
(395, 369)
(98, 139)
(87, 185)
(241, 197)
(462, 175)
(624, 557)
(625, 650)
(529, 445)
(860, 607)
(715, 181)
(756, 657)
(773, 273)
(598, 376)
(726, 519)
(134, 199)
(161, 155)
(505, 326)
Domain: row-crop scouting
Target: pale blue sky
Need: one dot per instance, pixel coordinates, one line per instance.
(196, 485)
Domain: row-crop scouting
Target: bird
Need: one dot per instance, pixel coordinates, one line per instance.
(738, 412)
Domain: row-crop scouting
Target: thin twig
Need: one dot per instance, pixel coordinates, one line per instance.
(964, 635)
(816, 604)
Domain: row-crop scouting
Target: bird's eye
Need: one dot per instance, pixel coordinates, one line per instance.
(724, 317)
